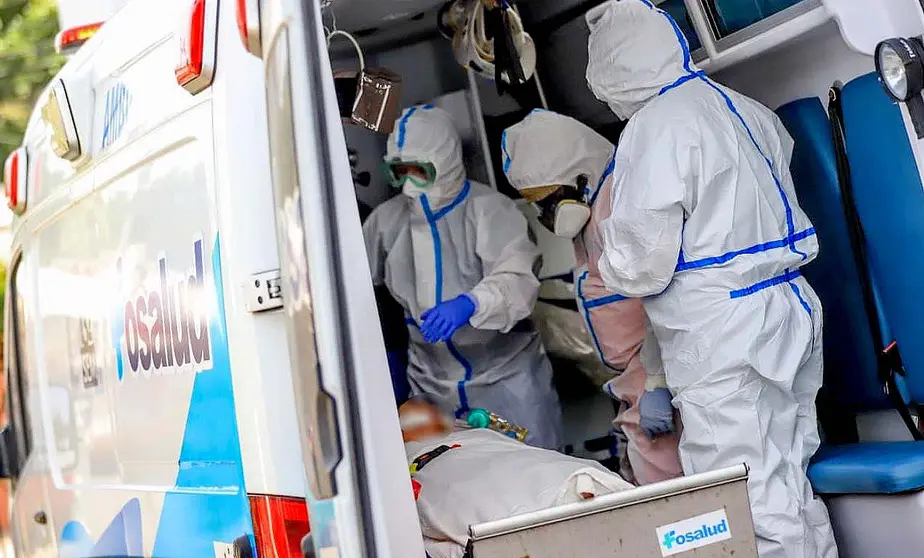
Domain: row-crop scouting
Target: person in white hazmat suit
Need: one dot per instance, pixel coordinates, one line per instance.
(705, 225)
(566, 170)
(457, 256)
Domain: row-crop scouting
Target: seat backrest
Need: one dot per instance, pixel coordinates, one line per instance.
(890, 202)
(849, 354)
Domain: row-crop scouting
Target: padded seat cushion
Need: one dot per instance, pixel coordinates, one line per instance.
(868, 468)
(890, 201)
(850, 358)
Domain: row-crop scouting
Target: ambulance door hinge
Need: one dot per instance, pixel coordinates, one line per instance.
(264, 291)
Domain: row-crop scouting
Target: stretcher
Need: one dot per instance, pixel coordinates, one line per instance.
(705, 515)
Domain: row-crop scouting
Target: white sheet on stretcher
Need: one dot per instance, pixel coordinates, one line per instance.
(491, 476)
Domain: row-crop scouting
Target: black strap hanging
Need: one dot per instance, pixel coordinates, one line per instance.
(508, 70)
(888, 359)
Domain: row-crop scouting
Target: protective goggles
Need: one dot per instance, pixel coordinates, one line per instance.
(420, 174)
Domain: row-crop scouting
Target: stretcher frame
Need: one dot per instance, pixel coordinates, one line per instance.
(626, 524)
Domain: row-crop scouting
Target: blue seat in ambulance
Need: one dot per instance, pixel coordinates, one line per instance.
(875, 135)
(849, 354)
(890, 201)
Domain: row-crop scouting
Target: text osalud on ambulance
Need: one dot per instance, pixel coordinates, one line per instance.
(166, 331)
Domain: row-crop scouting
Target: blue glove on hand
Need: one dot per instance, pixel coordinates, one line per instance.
(441, 321)
(657, 413)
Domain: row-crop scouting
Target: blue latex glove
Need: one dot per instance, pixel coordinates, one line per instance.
(657, 413)
(397, 365)
(441, 321)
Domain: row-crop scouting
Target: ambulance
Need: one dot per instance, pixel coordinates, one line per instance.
(192, 368)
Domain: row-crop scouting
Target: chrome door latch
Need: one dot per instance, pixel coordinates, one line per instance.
(264, 291)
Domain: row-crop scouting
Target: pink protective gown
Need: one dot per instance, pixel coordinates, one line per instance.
(548, 149)
(618, 326)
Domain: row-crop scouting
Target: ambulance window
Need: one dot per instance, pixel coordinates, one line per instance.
(678, 10)
(15, 414)
(730, 16)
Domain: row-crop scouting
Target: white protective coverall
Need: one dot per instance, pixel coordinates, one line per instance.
(462, 237)
(706, 225)
(548, 149)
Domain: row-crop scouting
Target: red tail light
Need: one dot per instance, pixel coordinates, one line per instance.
(196, 65)
(14, 178)
(248, 25)
(69, 40)
(279, 524)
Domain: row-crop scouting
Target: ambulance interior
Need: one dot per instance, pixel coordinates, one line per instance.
(787, 54)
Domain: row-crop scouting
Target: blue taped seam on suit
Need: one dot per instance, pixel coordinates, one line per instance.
(460, 387)
(590, 325)
(402, 124)
(680, 81)
(792, 236)
(454, 351)
(437, 249)
(766, 284)
(610, 168)
(402, 127)
(795, 289)
(755, 249)
(432, 219)
(603, 301)
(507, 160)
(790, 226)
(466, 188)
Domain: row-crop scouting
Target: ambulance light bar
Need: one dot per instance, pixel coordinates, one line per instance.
(14, 180)
(195, 68)
(68, 41)
(248, 25)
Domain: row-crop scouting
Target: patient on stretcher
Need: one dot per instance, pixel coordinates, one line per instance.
(464, 476)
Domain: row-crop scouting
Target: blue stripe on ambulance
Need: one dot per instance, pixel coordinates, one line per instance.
(208, 502)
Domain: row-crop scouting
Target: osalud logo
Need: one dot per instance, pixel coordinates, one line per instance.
(695, 532)
(672, 539)
(166, 331)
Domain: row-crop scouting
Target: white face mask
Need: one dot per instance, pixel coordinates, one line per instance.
(570, 218)
(412, 190)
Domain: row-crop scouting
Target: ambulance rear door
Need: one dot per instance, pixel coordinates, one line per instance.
(359, 490)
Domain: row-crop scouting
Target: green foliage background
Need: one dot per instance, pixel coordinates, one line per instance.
(27, 62)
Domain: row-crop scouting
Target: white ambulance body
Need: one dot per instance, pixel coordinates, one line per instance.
(162, 400)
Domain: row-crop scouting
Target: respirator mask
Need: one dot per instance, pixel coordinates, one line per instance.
(562, 209)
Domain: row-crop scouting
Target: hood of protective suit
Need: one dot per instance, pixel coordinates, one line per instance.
(547, 148)
(425, 133)
(634, 51)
